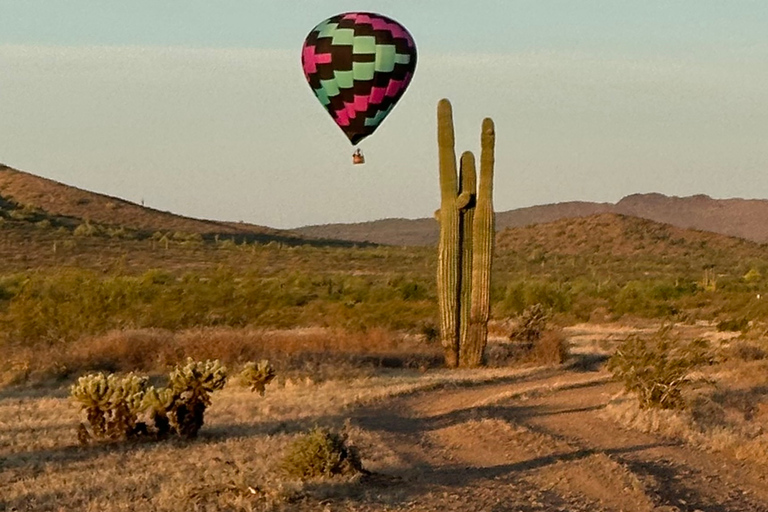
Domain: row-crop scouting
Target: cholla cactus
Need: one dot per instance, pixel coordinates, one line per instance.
(198, 379)
(92, 392)
(191, 386)
(112, 404)
(158, 402)
(257, 376)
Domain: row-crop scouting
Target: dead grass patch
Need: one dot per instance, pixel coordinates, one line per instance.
(727, 417)
(726, 408)
(322, 353)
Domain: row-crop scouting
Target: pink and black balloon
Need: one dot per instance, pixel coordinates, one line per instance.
(359, 64)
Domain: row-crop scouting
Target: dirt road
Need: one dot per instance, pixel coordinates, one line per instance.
(537, 443)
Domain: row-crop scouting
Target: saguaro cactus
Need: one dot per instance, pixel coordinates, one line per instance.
(466, 244)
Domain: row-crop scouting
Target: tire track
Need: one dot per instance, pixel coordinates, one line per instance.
(541, 444)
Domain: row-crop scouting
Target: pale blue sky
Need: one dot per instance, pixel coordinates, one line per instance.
(200, 107)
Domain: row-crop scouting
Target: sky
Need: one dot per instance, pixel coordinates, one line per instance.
(201, 108)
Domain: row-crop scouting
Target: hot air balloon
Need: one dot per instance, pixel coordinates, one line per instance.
(358, 64)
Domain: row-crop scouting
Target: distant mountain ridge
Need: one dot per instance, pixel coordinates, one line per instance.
(21, 190)
(742, 218)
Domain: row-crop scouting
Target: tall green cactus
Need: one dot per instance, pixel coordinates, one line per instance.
(466, 244)
(484, 233)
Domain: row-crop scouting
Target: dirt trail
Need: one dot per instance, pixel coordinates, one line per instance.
(540, 443)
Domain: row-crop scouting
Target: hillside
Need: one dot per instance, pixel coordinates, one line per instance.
(621, 236)
(63, 205)
(620, 248)
(743, 218)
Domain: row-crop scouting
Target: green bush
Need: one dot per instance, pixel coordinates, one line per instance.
(657, 370)
(321, 453)
(62, 306)
(554, 296)
(87, 229)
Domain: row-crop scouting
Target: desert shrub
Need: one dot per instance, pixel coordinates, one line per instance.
(411, 290)
(320, 453)
(531, 325)
(86, 229)
(323, 353)
(550, 348)
(657, 370)
(648, 298)
(23, 214)
(733, 325)
(753, 276)
(257, 376)
(746, 351)
(9, 286)
(532, 341)
(65, 305)
(430, 332)
(707, 413)
(51, 308)
(524, 294)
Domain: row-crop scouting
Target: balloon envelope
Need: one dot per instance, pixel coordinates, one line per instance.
(359, 64)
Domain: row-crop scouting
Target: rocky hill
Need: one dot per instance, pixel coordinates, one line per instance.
(743, 218)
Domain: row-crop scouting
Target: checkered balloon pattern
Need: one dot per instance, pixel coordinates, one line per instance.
(358, 65)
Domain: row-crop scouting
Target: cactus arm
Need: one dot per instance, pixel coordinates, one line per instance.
(448, 264)
(465, 200)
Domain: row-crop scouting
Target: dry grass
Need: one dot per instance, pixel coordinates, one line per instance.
(323, 353)
(551, 348)
(232, 466)
(727, 412)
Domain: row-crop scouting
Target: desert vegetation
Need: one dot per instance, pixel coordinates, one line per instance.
(253, 289)
(708, 392)
(115, 340)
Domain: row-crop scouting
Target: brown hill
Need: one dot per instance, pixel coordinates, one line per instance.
(70, 205)
(744, 218)
(741, 218)
(621, 236)
(387, 231)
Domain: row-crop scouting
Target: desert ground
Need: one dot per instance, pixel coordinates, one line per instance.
(518, 438)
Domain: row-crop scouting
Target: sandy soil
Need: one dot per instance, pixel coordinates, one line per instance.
(533, 439)
(538, 443)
